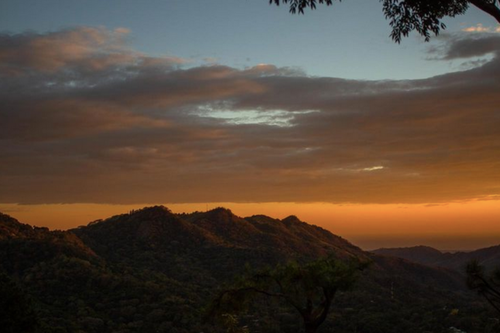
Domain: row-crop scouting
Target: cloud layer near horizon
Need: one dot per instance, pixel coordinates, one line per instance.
(84, 118)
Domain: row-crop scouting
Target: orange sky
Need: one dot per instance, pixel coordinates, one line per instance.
(461, 225)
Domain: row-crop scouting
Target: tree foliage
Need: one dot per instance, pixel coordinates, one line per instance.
(17, 314)
(423, 16)
(308, 288)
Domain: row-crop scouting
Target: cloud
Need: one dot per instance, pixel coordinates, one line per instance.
(481, 28)
(466, 46)
(93, 49)
(155, 130)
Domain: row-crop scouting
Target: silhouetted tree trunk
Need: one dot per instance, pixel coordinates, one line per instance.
(313, 318)
(311, 328)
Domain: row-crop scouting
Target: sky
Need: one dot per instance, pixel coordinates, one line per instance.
(111, 106)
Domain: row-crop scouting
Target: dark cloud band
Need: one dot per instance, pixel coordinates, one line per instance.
(86, 119)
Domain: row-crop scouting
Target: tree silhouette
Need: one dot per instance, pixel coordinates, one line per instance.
(308, 288)
(486, 286)
(405, 16)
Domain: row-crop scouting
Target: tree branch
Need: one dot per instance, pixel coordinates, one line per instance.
(489, 288)
(488, 7)
(492, 302)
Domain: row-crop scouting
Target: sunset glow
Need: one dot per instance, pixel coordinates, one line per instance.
(452, 226)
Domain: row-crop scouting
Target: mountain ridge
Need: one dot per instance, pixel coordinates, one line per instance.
(154, 270)
(426, 255)
(220, 226)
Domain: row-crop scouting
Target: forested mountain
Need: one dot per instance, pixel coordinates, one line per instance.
(154, 271)
(487, 257)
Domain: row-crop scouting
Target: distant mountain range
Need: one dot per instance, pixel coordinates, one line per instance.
(151, 270)
(488, 257)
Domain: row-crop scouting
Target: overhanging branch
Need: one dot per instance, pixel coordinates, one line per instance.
(489, 7)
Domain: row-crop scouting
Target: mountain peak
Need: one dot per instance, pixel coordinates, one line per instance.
(10, 227)
(219, 215)
(158, 209)
(151, 213)
(221, 211)
(7, 219)
(262, 219)
(291, 219)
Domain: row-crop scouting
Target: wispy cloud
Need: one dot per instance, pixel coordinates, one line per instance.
(460, 46)
(481, 28)
(85, 48)
(142, 129)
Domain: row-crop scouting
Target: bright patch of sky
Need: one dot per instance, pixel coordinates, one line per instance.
(374, 168)
(280, 118)
(347, 40)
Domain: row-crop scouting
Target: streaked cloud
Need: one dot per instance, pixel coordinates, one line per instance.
(461, 46)
(137, 129)
(85, 48)
(373, 168)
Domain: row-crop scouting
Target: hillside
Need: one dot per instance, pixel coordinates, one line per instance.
(154, 271)
(488, 257)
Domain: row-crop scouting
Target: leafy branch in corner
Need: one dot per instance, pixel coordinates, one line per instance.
(423, 16)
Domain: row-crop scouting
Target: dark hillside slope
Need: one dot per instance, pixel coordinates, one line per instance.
(489, 257)
(75, 290)
(299, 237)
(217, 241)
(22, 244)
